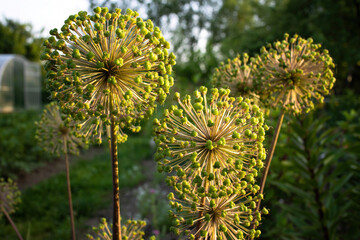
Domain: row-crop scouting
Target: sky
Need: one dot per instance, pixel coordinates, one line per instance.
(41, 14)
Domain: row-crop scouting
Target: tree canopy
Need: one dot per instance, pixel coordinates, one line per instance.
(17, 38)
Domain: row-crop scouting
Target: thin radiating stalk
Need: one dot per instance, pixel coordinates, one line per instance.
(269, 157)
(12, 223)
(201, 213)
(73, 233)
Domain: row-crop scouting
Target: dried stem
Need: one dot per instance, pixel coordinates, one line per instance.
(12, 223)
(73, 233)
(269, 158)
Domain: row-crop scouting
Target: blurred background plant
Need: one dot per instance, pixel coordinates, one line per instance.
(9, 198)
(59, 136)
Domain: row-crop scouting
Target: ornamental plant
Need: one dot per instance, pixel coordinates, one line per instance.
(292, 75)
(237, 75)
(214, 144)
(9, 198)
(132, 229)
(60, 137)
(108, 71)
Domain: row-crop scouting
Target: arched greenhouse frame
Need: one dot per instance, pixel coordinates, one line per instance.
(20, 83)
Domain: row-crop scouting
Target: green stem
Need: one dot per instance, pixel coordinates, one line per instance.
(269, 158)
(116, 192)
(73, 233)
(11, 222)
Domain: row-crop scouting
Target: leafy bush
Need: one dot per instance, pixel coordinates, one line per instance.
(312, 190)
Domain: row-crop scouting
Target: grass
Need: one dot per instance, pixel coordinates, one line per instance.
(44, 208)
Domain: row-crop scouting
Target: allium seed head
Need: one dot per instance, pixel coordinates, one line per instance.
(236, 74)
(131, 230)
(227, 217)
(54, 128)
(108, 67)
(9, 196)
(216, 136)
(293, 73)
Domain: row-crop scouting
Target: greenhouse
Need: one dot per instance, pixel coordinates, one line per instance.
(20, 83)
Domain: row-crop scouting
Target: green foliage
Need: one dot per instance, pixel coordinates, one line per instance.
(19, 151)
(17, 38)
(311, 189)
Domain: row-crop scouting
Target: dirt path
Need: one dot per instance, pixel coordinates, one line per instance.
(53, 168)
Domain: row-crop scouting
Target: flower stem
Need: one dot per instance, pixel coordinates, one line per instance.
(12, 223)
(116, 193)
(73, 233)
(269, 157)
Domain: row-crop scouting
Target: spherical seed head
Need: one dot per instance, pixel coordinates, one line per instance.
(236, 74)
(9, 196)
(220, 140)
(132, 229)
(293, 74)
(109, 69)
(225, 217)
(54, 128)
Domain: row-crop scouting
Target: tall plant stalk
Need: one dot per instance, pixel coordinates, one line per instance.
(73, 232)
(12, 223)
(270, 156)
(115, 175)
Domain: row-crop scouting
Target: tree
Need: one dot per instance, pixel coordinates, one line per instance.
(17, 38)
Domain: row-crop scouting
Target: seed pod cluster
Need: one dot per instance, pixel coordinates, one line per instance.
(9, 196)
(213, 143)
(54, 129)
(237, 75)
(293, 73)
(108, 67)
(131, 230)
